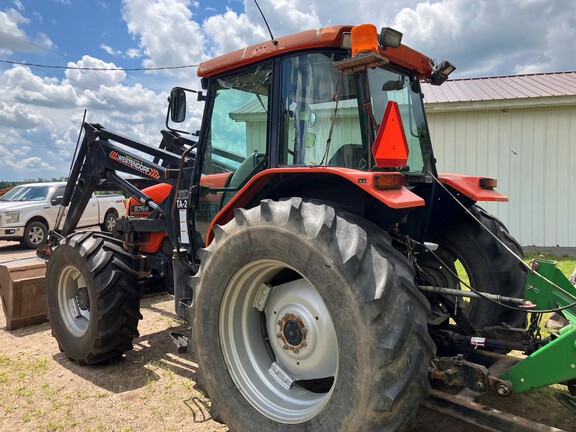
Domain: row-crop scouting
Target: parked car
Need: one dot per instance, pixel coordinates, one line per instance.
(28, 212)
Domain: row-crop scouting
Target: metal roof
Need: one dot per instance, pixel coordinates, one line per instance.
(526, 87)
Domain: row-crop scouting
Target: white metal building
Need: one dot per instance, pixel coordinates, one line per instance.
(521, 130)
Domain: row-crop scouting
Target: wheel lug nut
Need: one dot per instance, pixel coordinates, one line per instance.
(285, 346)
(296, 350)
(278, 335)
(279, 322)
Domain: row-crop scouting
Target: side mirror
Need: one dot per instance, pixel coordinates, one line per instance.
(394, 85)
(177, 105)
(56, 201)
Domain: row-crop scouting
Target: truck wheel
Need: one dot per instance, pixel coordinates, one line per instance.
(488, 265)
(308, 319)
(92, 303)
(35, 235)
(109, 221)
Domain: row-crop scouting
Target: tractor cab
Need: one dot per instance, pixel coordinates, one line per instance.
(314, 106)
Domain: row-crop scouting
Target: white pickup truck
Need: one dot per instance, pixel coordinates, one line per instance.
(29, 211)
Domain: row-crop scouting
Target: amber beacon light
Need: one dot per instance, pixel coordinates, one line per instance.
(364, 39)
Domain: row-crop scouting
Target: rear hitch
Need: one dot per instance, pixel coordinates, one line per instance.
(458, 372)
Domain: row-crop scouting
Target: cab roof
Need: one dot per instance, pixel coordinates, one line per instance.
(325, 37)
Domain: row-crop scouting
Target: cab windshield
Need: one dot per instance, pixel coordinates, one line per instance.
(326, 116)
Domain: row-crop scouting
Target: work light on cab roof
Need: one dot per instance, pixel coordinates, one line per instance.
(366, 39)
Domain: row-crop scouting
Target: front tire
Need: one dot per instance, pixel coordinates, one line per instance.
(309, 320)
(92, 303)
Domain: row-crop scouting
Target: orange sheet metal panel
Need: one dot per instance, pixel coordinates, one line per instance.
(324, 37)
(397, 198)
(150, 242)
(309, 39)
(470, 186)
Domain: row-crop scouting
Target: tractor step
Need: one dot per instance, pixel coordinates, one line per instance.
(181, 341)
(463, 407)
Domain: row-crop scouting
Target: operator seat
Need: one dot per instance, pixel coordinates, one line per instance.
(246, 170)
(349, 156)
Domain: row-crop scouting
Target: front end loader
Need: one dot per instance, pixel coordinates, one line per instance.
(328, 272)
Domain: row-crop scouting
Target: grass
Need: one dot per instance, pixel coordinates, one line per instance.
(566, 263)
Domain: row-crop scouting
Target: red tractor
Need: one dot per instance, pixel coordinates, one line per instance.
(305, 234)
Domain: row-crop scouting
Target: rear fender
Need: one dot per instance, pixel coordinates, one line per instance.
(398, 198)
(470, 187)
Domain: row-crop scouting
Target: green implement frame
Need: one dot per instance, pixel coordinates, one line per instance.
(554, 362)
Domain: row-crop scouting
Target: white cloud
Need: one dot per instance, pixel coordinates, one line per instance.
(32, 163)
(230, 31)
(166, 32)
(19, 116)
(25, 87)
(134, 53)
(11, 36)
(558, 50)
(490, 37)
(288, 16)
(110, 50)
(93, 79)
(19, 5)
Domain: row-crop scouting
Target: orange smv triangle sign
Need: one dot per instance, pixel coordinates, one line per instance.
(391, 148)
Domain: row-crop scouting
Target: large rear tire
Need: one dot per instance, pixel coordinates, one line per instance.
(489, 266)
(92, 303)
(309, 320)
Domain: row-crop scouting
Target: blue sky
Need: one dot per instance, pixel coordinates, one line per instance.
(79, 27)
(41, 108)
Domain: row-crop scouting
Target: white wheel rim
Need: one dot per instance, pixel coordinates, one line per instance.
(273, 375)
(73, 301)
(36, 235)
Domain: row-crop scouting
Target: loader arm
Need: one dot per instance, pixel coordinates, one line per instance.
(103, 154)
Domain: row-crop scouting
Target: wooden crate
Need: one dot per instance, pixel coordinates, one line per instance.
(23, 292)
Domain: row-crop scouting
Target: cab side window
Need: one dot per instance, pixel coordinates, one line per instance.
(236, 139)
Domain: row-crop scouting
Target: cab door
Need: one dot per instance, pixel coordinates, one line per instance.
(235, 140)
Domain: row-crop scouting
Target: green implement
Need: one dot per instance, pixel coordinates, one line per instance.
(555, 361)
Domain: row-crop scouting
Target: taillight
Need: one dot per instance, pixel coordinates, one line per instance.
(389, 181)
